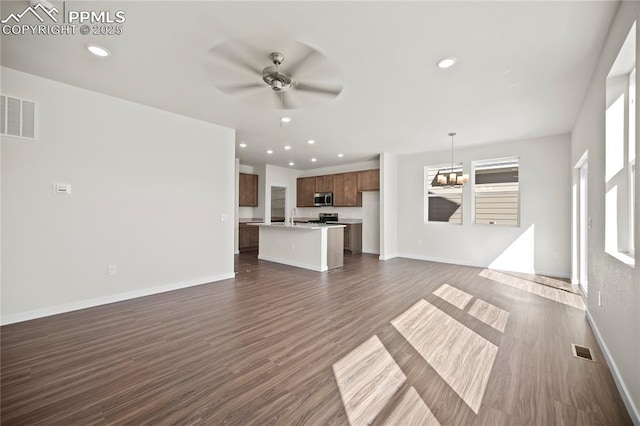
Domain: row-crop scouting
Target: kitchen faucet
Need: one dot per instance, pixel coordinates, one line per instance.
(293, 213)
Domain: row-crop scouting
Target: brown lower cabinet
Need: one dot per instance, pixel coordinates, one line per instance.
(353, 237)
(248, 237)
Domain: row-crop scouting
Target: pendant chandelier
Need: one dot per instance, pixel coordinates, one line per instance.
(453, 179)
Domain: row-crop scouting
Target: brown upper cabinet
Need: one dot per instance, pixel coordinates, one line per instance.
(346, 187)
(369, 180)
(305, 188)
(248, 191)
(324, 183)
(345, 190)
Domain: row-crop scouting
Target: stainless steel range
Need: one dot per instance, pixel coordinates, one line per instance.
(325, 218)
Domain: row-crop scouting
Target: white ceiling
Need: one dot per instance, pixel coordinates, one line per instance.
(523, 68)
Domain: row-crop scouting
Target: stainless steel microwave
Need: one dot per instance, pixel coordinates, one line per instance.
(323, 199)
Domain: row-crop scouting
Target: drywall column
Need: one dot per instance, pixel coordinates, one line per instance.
(236, 242)
(388, 206)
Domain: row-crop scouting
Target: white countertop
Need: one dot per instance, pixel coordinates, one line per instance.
(297, 225)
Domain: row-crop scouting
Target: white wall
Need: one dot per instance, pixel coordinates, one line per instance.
(149, 190)
(371, 222)
(236, 202)
(541, 243)
(617, 321)
(389, 207)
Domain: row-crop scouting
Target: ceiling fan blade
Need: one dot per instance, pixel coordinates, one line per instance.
(240, 87)
(307, 60)
(229, 55)
(314, 88)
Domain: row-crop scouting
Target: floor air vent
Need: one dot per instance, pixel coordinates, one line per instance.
(581, 352)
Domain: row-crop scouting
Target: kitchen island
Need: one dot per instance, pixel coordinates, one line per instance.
(318, 247)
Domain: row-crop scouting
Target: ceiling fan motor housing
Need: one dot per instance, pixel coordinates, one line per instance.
(275, 78)
(272, 75)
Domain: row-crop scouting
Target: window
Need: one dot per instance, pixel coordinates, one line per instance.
(632, 159)
(496, 192)
(620, 155)
(443, 202)
(632, 212)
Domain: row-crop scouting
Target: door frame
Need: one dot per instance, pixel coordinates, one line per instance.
(581, 225)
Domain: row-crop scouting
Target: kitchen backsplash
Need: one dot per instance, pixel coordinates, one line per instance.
(343, 212)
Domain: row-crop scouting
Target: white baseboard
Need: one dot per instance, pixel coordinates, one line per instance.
(388, 257)
(476, 265)
(554, 274)
(294, 263)
(90, 303)
(622, 388)
(584, 289)
(439, 260)
(236, 252)
(371, 251)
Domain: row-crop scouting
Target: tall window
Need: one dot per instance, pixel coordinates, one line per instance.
(632, 193)
(497, 192)
(632, 159)
(620, 154)
(443, 202)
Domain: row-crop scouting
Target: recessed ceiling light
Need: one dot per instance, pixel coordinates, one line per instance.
(446, 62)
(341, 155)
(287, 147)
(285, 119)
(269, 151)
(311, 141)
(98, 50)
(314, 159)
(243, 145)
(291, 163)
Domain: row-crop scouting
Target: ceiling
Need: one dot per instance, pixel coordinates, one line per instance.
(522, 70)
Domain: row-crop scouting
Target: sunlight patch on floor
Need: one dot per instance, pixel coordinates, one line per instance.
(461, 357)
(367, 378)
(550, 293)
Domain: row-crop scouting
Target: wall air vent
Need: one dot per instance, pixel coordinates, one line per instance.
(17, 117)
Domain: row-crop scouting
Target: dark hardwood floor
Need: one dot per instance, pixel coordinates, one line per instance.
(259, 349)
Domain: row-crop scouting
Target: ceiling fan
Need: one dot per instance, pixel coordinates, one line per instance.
(310, 79)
